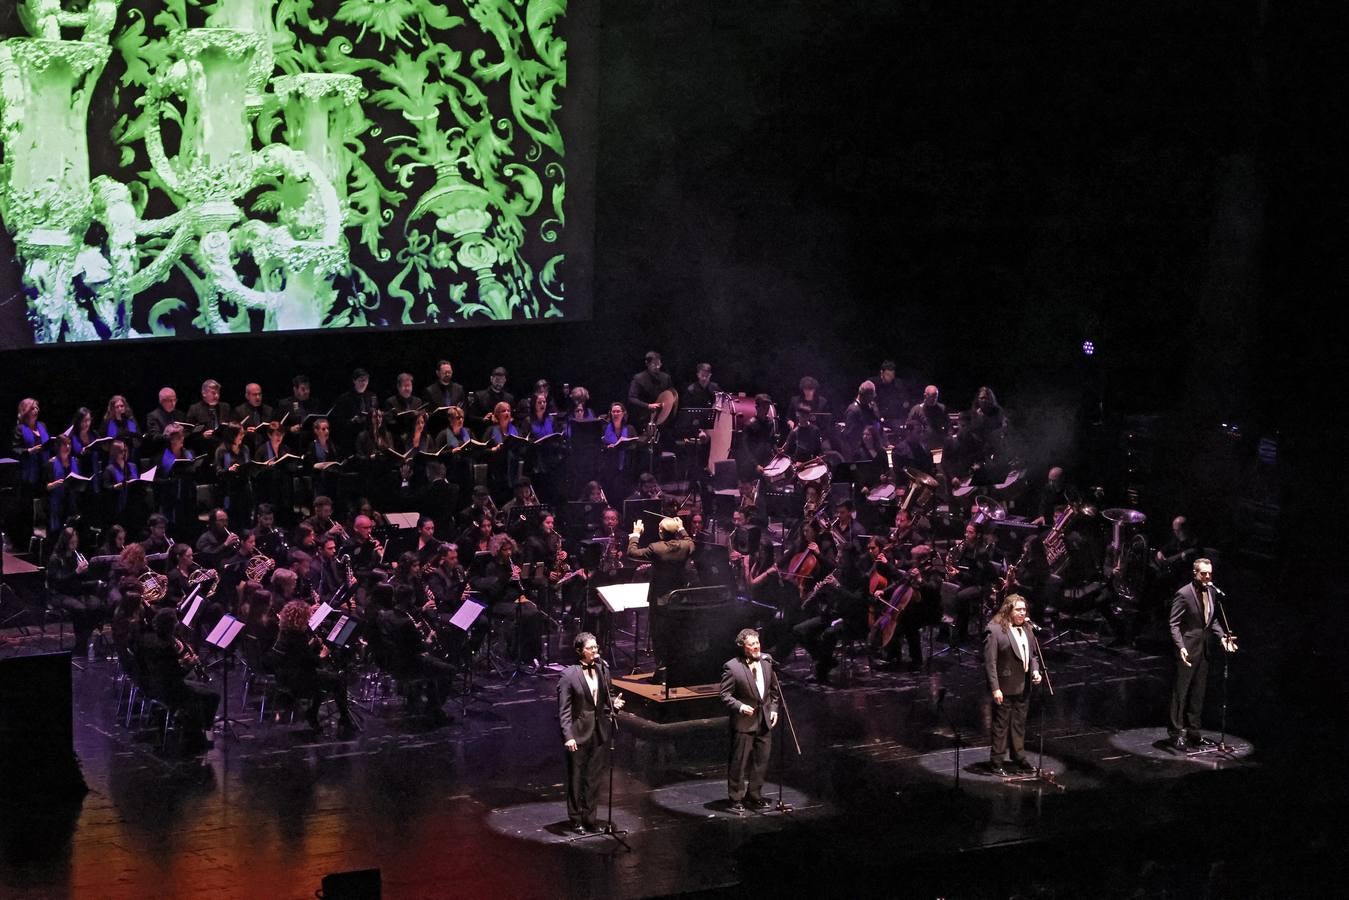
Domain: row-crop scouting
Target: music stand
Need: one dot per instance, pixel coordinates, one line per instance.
(463, 619)
(622, 598)
(222, 637)
(190, 607)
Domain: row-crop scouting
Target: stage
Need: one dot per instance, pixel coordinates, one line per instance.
(880, 805)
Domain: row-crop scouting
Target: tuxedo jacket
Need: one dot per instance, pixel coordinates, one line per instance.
(738, 686)
(1003, 665)
(1188, 628)
(579, 715)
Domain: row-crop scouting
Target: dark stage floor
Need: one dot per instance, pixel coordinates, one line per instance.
(475, 809)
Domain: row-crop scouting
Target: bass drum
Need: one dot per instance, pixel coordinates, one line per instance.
(732, 412)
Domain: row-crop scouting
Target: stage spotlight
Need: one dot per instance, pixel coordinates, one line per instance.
(1088, 348)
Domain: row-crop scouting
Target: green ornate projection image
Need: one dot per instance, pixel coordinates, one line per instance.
(195, 167)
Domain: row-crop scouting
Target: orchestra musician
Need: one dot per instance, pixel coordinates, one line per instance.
(846, 529)
(861, 437)
(405, 647)
(157, 538)
(648, 488)
(167, 660)
(809, 396)
(271, 540)
(217, 542)
(114, 541)
(890, 402)
(836, 607)
(366, 555)
(511, 610)
(758, 440)
(702, 392)
(298, 657)
(644, 390)
(70, 587)
(805, 441)
(181, 567)
(330, 575)
(929, 417)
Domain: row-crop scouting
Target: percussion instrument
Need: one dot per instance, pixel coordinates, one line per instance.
(812, 471)
(778, 471)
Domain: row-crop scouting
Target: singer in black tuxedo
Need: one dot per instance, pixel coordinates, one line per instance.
(1194, 615)
(750, 690)
(1011, 658)
(585, 706)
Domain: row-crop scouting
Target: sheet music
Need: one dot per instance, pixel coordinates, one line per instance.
(317, 617)
(468, 614)
(623, 597)
(225, 632)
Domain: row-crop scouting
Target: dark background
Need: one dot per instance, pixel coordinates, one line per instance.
(796, 187)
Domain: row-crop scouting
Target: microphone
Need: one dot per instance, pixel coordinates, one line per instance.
(1217, 590)
(1032, 625)
(764, 657)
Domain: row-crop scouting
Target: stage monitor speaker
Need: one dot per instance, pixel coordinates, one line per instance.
(700, 625)
(37, 741)
(361, 884)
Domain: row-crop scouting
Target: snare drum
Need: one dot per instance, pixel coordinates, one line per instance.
(811, 472)
(778, 471)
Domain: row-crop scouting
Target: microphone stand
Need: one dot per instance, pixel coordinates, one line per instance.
(609, 829)
(1223, 746)
(782, 806)
(1041, 775)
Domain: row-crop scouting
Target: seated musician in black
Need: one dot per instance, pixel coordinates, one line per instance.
(165, 662)
(501, 588)
(298, 656)
(978, 570)
(648, 488)
(403, 650)
(836, 609)
(446, 583)
(71, 587)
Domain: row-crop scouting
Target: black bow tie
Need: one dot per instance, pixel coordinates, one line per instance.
(587, 665)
